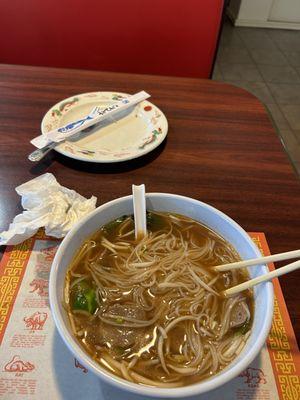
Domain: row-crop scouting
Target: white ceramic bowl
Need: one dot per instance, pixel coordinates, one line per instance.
(201, 212)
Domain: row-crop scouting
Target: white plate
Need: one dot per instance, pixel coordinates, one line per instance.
(140, 130)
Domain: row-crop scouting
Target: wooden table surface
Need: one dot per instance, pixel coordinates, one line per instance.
(221, 149)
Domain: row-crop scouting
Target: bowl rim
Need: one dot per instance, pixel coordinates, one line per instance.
(185, 391)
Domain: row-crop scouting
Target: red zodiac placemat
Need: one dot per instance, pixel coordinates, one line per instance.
(36, 364)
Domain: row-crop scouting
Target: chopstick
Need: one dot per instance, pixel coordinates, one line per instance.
(263, 278)
(256, 261)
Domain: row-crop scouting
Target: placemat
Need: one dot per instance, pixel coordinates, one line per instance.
(35, 364)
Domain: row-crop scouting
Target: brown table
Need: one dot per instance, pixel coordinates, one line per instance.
(221, 148)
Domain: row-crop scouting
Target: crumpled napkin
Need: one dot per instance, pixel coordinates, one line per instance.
(47, 204)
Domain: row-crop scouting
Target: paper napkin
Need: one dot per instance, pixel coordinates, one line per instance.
(46, 204)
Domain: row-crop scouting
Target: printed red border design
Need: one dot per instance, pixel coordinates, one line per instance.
(281, 343)
(12, 269)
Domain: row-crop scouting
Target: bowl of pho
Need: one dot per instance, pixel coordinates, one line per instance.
(149, 316)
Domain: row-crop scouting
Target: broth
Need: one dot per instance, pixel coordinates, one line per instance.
(152, 311)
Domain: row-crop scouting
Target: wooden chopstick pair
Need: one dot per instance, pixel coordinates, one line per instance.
(263, 278)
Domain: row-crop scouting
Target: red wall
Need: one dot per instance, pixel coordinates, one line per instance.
(166, 37)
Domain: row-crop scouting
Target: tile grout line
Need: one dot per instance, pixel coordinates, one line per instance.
(267, 83)
(250, 55)
(282, 53)
(277, 129)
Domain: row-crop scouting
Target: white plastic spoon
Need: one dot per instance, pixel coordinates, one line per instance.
(139, 210)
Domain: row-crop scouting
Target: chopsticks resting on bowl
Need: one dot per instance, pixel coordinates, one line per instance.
(263, 278)
(257, 261)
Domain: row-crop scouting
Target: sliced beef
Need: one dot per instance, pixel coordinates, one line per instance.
(118, 337)
(239, 315)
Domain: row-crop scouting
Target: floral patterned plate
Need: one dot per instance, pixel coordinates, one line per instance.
(136, 132)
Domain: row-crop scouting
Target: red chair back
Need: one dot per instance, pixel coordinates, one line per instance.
(165, 37)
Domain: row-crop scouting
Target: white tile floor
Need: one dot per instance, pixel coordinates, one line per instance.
(266, 62)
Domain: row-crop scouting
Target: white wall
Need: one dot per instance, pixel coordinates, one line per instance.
(265, 13)
(285, 10)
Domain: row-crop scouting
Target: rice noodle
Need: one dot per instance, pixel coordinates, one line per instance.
(203, 284)
(72, 322)
(125, 372)
(142, 264)
(82, 312)
(77, 280)
(133, 362)
(183, 370)
(149, 382)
